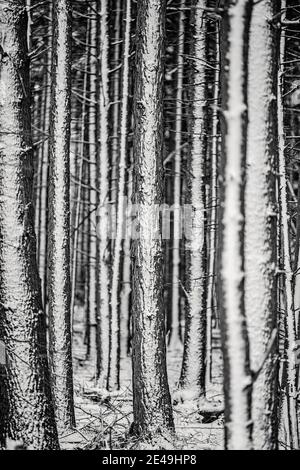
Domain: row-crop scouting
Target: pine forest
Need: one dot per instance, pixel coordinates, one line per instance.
(150, 225)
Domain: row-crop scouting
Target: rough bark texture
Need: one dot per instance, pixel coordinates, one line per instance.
(237, 376)
(260, 223)
(192, 378)
(152, 403)
(59, 219)
(28, 414)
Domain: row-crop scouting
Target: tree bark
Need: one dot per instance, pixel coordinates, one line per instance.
(152, 403)
(104, 280)
(93, 198)
(125, 295)
(78, 209)
(290, 317)
(176, 288)
(42, 208)
(237, 375)
(260, 223)
(29, 415)
(213, 220)
(59, 286)
(119, 6)
(192, 380)
(114, 356)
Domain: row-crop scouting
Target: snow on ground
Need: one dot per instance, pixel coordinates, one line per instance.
(104, 419)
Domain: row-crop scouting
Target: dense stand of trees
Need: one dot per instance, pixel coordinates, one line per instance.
(149, 180)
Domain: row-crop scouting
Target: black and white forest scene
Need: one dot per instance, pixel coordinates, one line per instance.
(149, 227)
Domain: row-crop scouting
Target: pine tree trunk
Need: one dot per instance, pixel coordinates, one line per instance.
(104, 281)
(192, 380)
(59, 287)
(125, 294)
(29, 415)
(260, 224)
(290, 365)
(114, 353)
(78, 209)
(88, 208)
(152, 403)
(29, 23)
(176, 288)
(42, 214)
(115, 65)
(237, 376)
(213, 221)
(93, 140)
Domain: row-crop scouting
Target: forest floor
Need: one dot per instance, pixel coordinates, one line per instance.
(104, 419)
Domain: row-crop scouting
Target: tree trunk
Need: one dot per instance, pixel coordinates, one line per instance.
(192, 380)
(176, 288)
(29, 415)
(104, 281)
(29, 23)
(213, 221)
(59, 287)
(152, 403)
(237, 376)
(93, 140)
(42, 214)
(260, 224)
(114, 353)
(78, 209)
(290, 317)
(125, 294)
(116, 98)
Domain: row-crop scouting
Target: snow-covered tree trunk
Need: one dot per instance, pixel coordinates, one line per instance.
(213, 220)
(104, 281)
(119, 5)
(192, 380)
(43, 167)
(114, 346)
(176, 288)
(261, 223)
(125, 294)
(237, 375)
(29, 24)
(290, 316)
(29, 415)
(59, 286)
(78, 206)
(93, 141)
(152, 403)
(42, 191)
